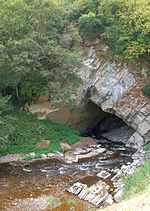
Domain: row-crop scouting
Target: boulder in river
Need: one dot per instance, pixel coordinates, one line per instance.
(85, 143)
(95, 194)
(103, 174)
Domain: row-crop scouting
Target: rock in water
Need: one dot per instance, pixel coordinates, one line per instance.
(27, 170)
(95, 194)
(103, 174)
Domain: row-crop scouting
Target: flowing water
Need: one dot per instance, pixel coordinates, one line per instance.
(29, 187)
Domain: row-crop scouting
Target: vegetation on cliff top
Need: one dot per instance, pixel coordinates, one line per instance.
(38, 44)
(123, 24)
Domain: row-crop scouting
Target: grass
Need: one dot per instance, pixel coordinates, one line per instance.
(139, 182)
(29, 131)
(53, 203)
(71, 202)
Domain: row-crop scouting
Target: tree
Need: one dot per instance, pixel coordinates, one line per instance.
(90, 25)
(33, 61)
(127, 28)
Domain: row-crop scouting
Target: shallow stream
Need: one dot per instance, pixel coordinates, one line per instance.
(29, 187)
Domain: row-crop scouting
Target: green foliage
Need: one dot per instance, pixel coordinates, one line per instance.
(138, 182)
(90, 24)
(6, 120)
(27, 157)
(127, 28)
(71, 202)
(33, 61)
(147, 148)
(53, 203)
(80, 7)
(29, 131)
(124, 24)
(146, 90)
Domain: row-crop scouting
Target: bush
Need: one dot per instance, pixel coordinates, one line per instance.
(90, 24)
(127, 28)
(33, 61)
(138, 182)
(53, 203)
(6, 120)
(80, 7)
(146, 90)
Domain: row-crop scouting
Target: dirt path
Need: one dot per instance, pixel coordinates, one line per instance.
(137, 203)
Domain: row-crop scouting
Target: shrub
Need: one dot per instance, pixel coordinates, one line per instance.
(71, 202)
(80, 7)
(6, 120)
(29, 131)
(146, 90)
(33, 61)
(127, 28)
(138, 182)
(90, 24)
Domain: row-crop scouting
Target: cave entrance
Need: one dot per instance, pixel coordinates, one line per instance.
(102, 125)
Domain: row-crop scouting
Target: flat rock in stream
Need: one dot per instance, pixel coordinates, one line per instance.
(87, 142)
(73, 156)
(103, 174)
(93, 153)
(95, 194)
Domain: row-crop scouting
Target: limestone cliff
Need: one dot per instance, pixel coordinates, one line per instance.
(107, 87)
(117, 89)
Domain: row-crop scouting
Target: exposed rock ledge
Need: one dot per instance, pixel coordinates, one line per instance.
(116, 90)
(112, 88)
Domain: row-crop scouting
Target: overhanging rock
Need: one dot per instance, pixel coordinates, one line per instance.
(115, 89)
(107, 88)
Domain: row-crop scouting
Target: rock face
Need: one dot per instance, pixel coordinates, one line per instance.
(107, 88)
(115, 89)
(65, 146)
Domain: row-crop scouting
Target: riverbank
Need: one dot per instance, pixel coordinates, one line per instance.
(47, 172)
(30, 132)
(137, 203)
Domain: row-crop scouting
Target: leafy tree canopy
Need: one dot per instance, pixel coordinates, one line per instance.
(33, 60)
(124, 24)
(127, 27)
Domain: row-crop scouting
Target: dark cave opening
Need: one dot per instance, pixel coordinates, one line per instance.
(107, 127)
